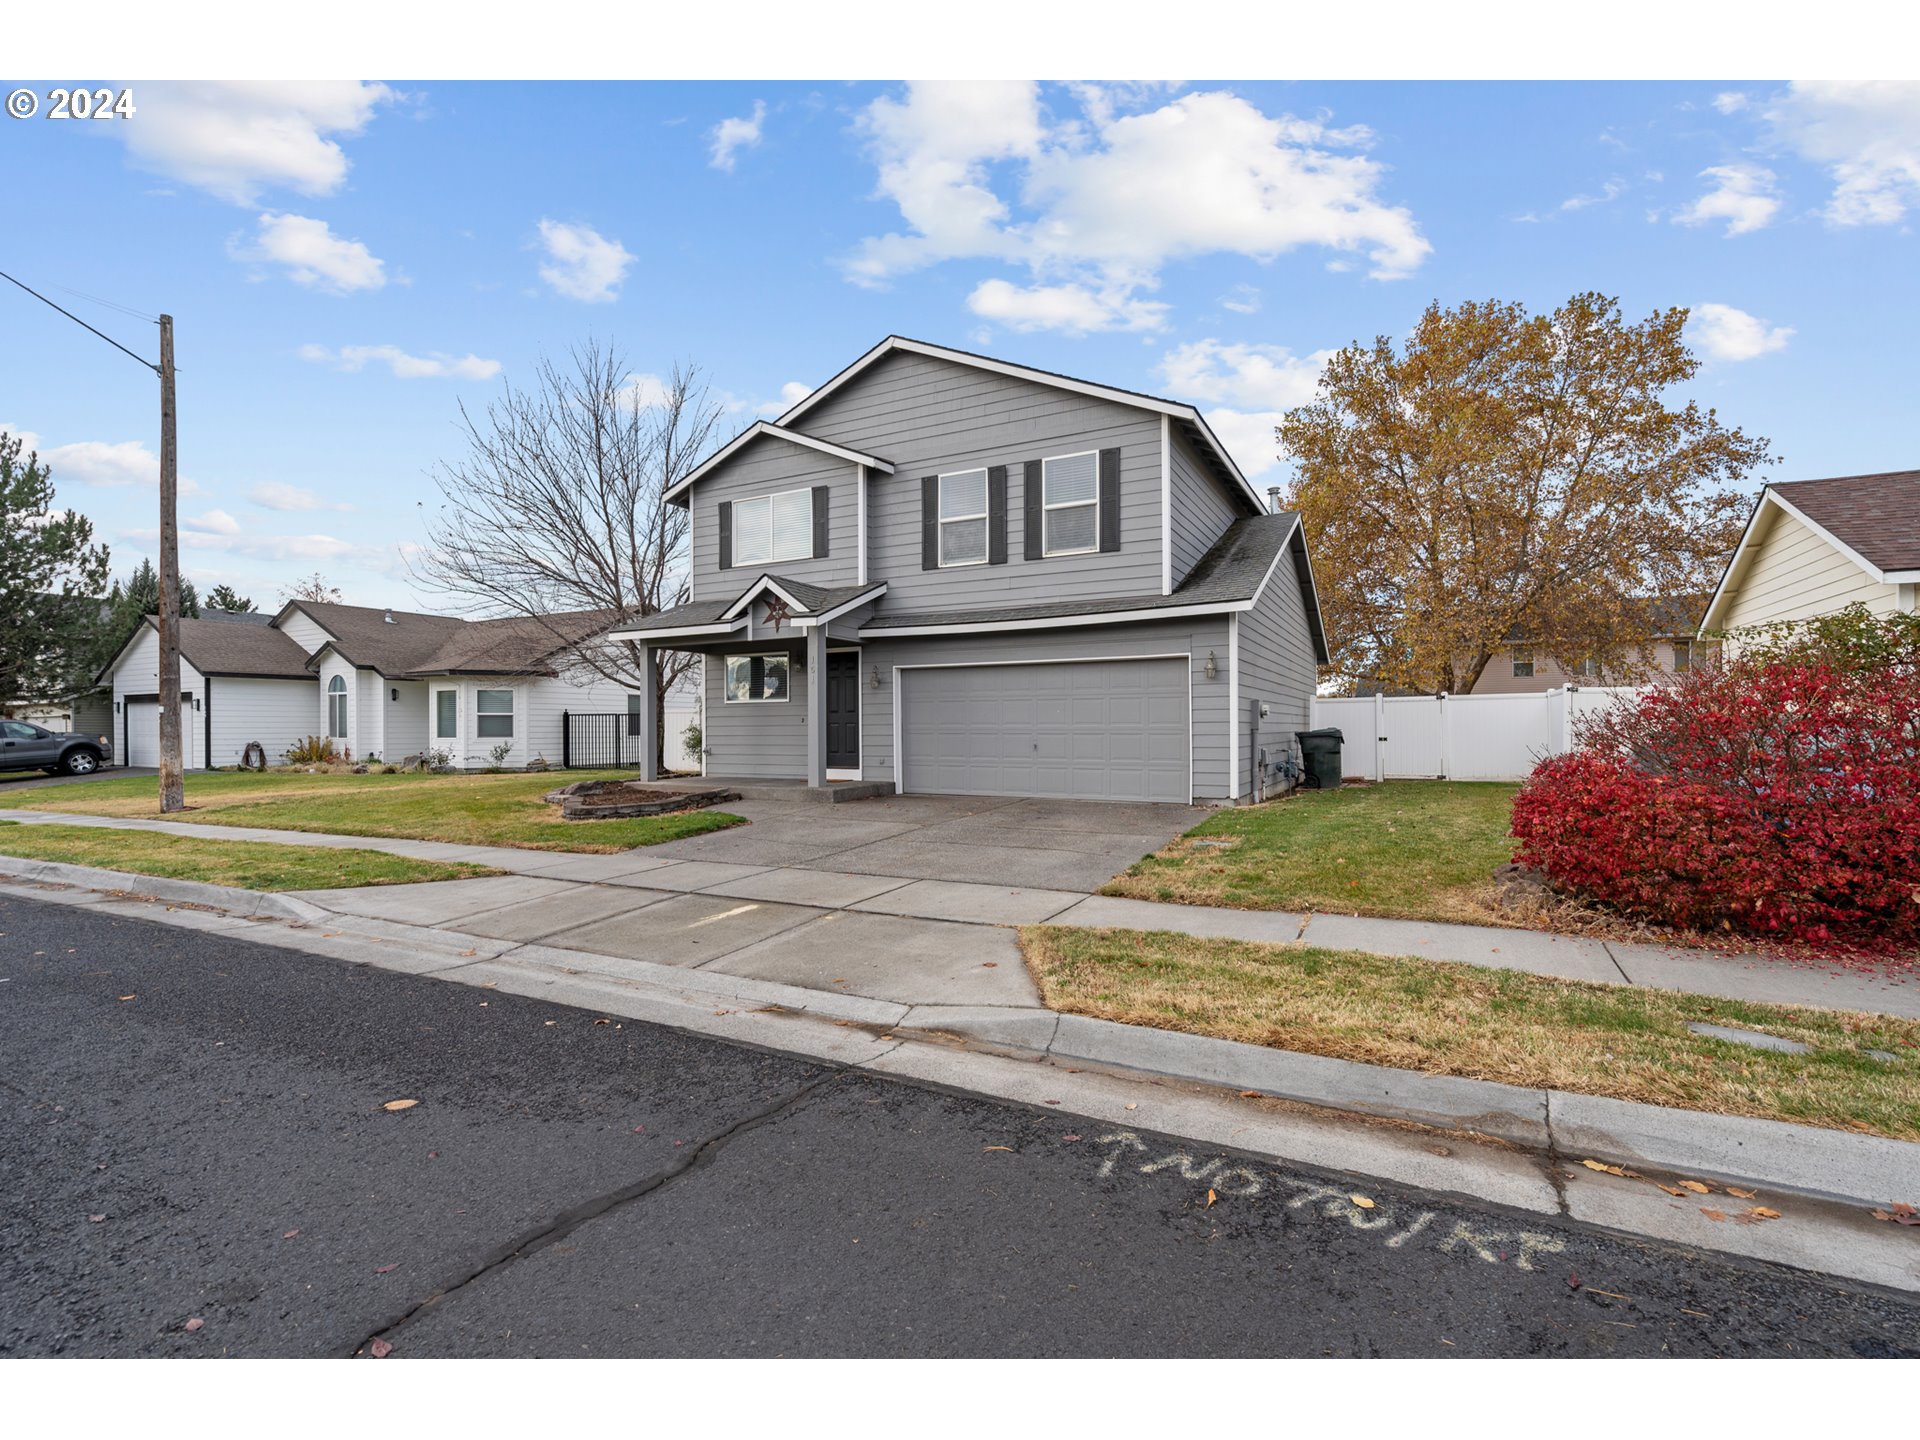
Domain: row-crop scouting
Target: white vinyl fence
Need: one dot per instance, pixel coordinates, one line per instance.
(1459, 737)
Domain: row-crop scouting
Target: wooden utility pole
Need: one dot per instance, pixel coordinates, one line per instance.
(172, 780)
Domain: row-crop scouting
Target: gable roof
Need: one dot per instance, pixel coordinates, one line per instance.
(1873, 520)
(811, 605)
(767, 428)
(220, 647)
(1195, 425)
(410, 644)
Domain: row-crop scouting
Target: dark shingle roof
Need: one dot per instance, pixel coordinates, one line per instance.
(680, 617)
(1878, 516)
(219, 647)
(236, 617)
(813, 600)
(411, 644)
(1231, 571)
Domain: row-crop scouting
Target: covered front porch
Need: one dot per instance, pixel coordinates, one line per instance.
(781, 683)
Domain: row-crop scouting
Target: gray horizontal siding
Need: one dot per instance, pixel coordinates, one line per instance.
(930, 416)
(1189, 637)
(765, 467)
(1276, 665)
(756, 739)
(1201, 507)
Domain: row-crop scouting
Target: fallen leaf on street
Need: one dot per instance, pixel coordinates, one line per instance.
(399, 1104)
(1069, 1137)
(1860, 1125)
(989, 964)
(992, 1148)
(1606, 1169)
(1671, 1189)
(1696, 1187)
(603, 1022)
(1739, 1194)
(553, 1022)
(1251, 1095)
(1211, 1197)
(95, 1219)
(192, 1325)
(1133, 1107)
(1573, 1280)
(289, 1234)
(127, 997)
(380, 1349)
(1713, 1214)
(1362, 1201)
(1901, 1214)
(385, 1269)
(1761, 1212)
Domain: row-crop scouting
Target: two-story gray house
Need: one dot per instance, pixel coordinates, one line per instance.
(958, 575)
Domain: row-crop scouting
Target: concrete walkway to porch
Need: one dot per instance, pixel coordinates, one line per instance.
(847, 906)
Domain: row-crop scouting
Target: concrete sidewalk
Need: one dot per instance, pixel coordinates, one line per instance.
(942, 942)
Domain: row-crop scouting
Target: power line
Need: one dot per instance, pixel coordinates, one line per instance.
(78, 321)
(109, 304)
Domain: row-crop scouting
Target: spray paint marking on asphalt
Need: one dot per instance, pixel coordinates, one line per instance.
(1127, 1154)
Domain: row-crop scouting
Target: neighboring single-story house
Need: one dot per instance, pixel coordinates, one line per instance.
(380, 683)
(948, 573)
(1814, 547)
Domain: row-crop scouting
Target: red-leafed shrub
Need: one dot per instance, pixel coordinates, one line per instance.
(1778, 796)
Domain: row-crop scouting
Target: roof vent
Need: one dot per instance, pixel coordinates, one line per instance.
(1273, 497)
(389, 615)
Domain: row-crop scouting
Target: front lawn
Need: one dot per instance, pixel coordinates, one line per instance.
(458, 809)
(248, 864)
(1449, 1019)
(1420, 849)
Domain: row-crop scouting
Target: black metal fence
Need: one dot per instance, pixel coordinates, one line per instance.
(597, 742)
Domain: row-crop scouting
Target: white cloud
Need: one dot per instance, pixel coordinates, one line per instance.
(1867, 135)
(216, 522)
(1248, 387)
(269, 547)
(1729, 334)
(235, 138)
(1102, 201)
(1612, 190)
(1072, 308)
(312, 254)
(402, 365)
(582, 264)
(739, 132)
(1242, 300)
(793, 392)
(109, 465)
(276, 495)
(1743, 195)
(1731, 102)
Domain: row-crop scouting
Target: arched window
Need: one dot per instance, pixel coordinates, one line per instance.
(337, 707)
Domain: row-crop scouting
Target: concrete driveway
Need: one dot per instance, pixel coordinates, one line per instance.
(1032, 844)
(11, 780)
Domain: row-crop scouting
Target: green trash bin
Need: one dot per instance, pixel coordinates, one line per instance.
(1320, 756)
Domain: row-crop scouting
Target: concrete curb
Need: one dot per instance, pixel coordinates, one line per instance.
(157, 887)
(1830, 1165)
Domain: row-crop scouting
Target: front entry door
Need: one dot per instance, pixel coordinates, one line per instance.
(843, 710)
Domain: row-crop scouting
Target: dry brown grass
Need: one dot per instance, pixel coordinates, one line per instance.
(1448, 1019)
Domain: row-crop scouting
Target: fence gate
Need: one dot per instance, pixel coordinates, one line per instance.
(1459, 737)
(596, 742)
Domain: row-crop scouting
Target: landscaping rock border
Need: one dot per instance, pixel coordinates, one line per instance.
(574, 799)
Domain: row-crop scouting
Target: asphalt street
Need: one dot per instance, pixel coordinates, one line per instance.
(197, 1131)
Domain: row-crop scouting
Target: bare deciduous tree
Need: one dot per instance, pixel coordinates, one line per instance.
(558, 504)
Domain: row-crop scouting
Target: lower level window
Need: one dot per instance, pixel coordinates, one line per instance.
(446, 712)
(1522, 664)
(493, 714)
(1682, 656)
(756, 677)
(337, 708)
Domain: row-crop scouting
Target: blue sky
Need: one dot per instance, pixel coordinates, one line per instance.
(348, 262)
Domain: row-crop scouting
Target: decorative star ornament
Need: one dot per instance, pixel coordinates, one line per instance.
(777, 612)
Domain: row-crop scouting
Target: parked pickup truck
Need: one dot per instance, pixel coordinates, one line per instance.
(26, 746)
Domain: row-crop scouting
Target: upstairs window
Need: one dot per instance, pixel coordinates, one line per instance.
(773, 527)
(963, 518)
(1682, 656)
(1522, 664)
(1070, 496)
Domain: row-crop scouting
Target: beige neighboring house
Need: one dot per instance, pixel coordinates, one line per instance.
(1813, 547)
(1672, 647)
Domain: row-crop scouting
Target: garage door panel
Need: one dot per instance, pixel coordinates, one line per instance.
(1110, 730)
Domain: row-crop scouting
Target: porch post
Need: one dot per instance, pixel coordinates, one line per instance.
(649, 712)
(817, 706)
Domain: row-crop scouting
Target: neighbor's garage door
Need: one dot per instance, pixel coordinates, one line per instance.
(143, 734)
(1093, 730)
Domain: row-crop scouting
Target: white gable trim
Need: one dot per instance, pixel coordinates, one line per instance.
(1884, 577)
(779, 432)
(1741, 554)
(678, 632)
(1158, 406)
(753, 593)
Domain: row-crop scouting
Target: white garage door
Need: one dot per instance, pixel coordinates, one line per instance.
(1088, 730)
(143, 733)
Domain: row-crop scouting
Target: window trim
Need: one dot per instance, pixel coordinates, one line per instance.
(439, 695)
(727, 659)
(512, 712)
(337, 694)
(985, 516)
(1519, 652)
(1047, 507)
(770, 558)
